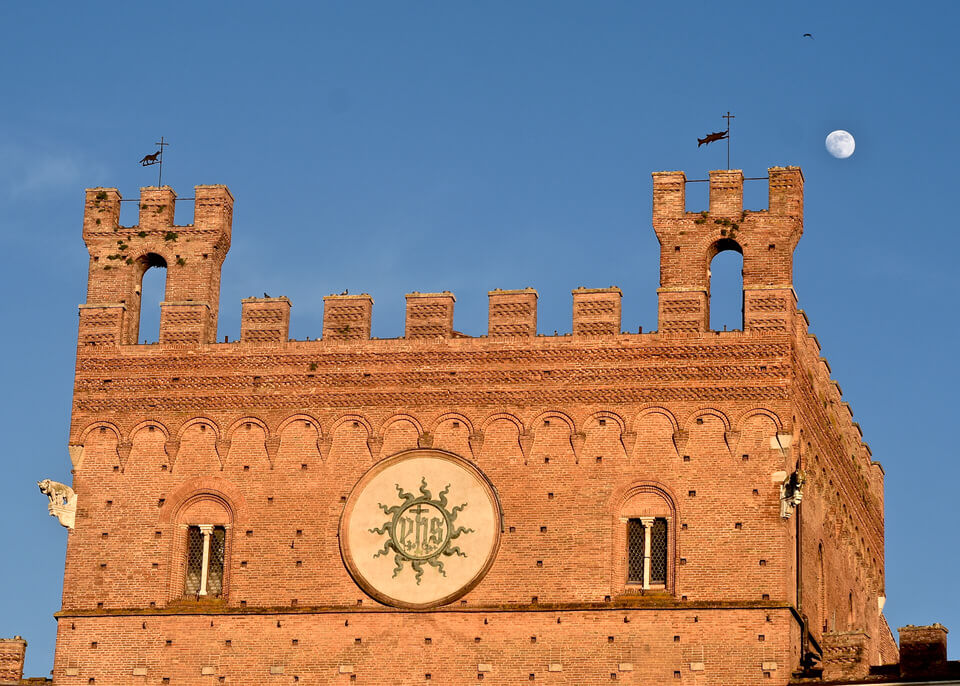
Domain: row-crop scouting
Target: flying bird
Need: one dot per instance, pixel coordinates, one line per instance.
(711, 137)
(808, 35)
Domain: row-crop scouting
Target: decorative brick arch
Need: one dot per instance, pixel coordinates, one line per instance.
(124, 447)
(707, 412)
(300, 417)
(605, 414)
(655, 409)
(730, 437)
(306, 418)
(373, 440)
(400, 417)
(77, 449)
(451, 417)
(100, 425)
(359, 419)
(246, 419)
(201, 420)
(147, 423)
(503, 416)
(679, 438)
(577, 438)
(733, 435)
(759, 411)
(223, 445)
(524, 439)
(474, 439)
(376, 444)
(173, 444)
(214, 486)
(553, 414)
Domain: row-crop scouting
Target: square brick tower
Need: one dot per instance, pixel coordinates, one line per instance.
(681, 506)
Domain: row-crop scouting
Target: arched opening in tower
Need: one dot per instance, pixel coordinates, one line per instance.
(726, 287)
(153, 286)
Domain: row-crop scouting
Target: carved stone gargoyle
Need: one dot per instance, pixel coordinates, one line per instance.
(791, 493)
(63, 501)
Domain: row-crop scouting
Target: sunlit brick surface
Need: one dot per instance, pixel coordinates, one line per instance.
(267, 437)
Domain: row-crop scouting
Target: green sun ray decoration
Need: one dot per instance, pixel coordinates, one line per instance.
(421, 530)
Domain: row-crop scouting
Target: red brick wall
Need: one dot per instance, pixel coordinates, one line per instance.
(271, 436)
(651, 647)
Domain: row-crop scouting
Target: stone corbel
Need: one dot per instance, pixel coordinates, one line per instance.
(476, 444)
(75, 450)
(425, 440)
(781, 442)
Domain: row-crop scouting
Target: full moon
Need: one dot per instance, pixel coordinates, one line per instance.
(840, 144)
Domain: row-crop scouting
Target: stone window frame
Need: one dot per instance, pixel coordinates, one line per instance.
(182, 522)
(623, 511)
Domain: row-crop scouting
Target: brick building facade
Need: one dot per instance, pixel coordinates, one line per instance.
(569, 509)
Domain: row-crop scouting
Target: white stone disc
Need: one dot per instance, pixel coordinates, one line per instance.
(420, 529)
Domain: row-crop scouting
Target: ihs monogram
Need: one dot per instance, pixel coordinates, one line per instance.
(421, 530)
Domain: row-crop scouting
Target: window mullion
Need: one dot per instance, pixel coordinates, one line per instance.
(206, 530)
(647, 531)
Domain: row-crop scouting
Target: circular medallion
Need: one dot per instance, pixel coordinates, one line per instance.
(420, 529)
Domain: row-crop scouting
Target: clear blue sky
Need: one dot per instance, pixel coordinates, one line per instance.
(390, 147)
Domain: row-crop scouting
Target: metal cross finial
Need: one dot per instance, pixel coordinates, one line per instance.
(162, 144)
(728, 117)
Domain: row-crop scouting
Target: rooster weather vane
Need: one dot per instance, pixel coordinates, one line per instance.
(156, 158)
(719, 136)
(421, 529)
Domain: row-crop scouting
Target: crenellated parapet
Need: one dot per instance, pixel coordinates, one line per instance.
(193, 256)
